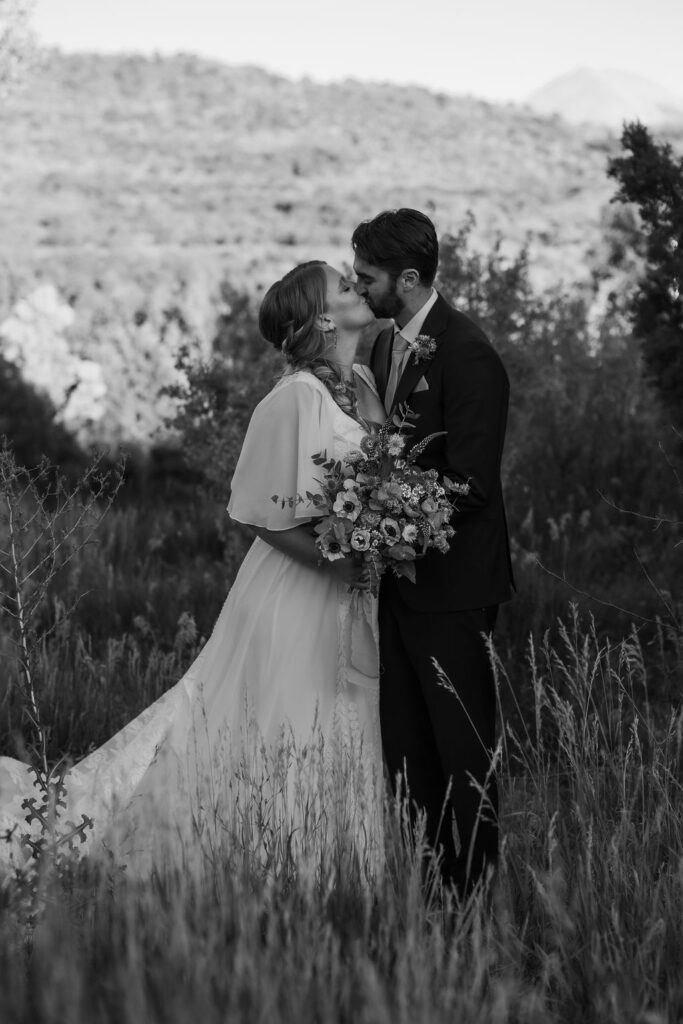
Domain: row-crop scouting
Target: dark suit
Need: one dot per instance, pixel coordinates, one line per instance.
(442, 738)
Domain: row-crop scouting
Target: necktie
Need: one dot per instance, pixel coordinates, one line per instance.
(398, 352)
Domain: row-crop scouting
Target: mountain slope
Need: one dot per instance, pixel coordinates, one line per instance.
(138, 193)
(113, 155)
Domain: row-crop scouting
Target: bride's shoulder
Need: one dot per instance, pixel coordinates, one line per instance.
(302, 376)
(301, 380)
(293, 389)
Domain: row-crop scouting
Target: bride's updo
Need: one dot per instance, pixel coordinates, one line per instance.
(290, 311)
(289, 320)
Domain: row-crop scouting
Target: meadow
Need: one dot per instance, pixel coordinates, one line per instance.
(582, 922)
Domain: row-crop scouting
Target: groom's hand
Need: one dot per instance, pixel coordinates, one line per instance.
(350, 572)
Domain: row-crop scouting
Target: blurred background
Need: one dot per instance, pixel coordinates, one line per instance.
(161, 163)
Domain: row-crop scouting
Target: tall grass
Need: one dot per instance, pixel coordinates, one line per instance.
(124, 623)
(138, 602)
(582, 922)
(276, 911)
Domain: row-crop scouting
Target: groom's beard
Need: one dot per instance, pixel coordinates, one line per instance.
(387, 307)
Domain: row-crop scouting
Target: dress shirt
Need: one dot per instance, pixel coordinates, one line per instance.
(402, 336)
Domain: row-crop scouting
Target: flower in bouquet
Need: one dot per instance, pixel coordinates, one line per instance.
(410, 533)
(395, 444)
(390, 531)
(371, 447)
(347, 504)
(361, 540)
(330, 548)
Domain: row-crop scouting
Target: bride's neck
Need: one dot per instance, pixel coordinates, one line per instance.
(343, 356)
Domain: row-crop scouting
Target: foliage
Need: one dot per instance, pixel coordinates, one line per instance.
(30, 420)
(93, 325)
(34, 339)
(651, 176)
(582, 435)
(214, 402)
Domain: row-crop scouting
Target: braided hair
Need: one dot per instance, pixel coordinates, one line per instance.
(289, 320)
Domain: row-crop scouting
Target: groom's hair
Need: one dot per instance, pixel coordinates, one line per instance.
(398, 240)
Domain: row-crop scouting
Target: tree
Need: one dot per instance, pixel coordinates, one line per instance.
(17, 45)
(651, 176)
(27, 421)
(216, 396)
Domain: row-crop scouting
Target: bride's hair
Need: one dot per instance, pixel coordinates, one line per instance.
(290, 310)
(289, 320)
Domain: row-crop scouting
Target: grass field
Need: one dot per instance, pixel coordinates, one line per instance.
(582, 922)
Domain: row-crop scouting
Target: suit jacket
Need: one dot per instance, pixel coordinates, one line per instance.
(467, 397)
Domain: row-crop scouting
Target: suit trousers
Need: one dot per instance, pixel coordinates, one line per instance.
(439, 738)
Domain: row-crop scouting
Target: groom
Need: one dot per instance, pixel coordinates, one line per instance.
(443, 367)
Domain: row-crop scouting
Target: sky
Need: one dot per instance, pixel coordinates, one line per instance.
(499, 50)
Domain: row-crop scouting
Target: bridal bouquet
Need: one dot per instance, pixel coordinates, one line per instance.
(378, 506)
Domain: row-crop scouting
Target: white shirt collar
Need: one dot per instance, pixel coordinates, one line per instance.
(414, 325)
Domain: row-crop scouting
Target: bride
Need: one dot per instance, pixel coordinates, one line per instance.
(287, 684)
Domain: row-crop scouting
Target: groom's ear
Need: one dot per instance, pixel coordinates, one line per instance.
(408, 279)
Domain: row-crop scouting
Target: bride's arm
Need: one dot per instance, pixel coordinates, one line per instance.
(299, 543)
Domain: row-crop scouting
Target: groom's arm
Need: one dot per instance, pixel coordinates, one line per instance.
(475, 404)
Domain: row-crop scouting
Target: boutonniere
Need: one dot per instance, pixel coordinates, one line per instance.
(423, 347)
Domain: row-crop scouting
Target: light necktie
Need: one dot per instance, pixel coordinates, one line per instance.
(398, 352)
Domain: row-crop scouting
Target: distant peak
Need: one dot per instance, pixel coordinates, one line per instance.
(607, 96)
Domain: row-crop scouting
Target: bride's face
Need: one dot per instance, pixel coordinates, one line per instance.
(348, 310)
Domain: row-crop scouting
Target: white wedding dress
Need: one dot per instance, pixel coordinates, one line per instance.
(280, 708)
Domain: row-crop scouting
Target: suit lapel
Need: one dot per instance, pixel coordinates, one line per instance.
(434, 326)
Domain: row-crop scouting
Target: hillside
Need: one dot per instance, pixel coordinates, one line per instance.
(140, 196)
(120, 154)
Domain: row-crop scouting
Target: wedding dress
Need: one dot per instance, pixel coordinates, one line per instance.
(283, 696)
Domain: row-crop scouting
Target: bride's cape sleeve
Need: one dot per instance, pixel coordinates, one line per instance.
(291, 425)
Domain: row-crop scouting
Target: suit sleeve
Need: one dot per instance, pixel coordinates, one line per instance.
(476, 392)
